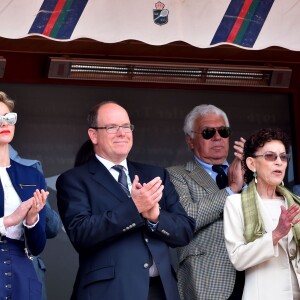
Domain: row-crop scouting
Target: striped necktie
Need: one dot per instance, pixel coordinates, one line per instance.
(122, 179)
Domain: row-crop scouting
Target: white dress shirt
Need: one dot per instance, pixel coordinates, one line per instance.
(11, 203)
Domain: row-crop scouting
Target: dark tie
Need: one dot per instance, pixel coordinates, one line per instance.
(122, 179)
(221, 179)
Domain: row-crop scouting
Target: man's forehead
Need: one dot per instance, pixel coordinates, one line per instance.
(113, 113)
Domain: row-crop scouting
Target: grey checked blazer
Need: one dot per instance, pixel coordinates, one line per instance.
(204, 271)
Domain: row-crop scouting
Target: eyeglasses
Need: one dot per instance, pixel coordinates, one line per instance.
(271, 156)
(115, 128)
(9, 118)
(209, 132)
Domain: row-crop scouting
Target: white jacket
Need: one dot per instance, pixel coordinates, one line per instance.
(268, 271)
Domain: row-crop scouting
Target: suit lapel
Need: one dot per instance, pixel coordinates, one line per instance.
(14, 179)
(17, 178)
(133, 171)
(102, 176)
(202, 178)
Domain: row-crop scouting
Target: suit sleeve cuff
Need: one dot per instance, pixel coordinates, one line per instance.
(152, 225)
(2, 227)
(229, 191)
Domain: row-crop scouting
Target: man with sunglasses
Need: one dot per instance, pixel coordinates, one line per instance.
(203, 184)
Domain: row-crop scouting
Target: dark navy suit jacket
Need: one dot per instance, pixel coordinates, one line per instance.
(25, 181)
(114, 242)
(296, 189)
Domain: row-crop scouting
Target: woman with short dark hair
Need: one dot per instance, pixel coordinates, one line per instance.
(262, 232)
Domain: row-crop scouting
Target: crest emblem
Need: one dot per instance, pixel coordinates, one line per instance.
(160, 15)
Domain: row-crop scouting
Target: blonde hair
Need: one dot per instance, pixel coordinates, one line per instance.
(7, 101)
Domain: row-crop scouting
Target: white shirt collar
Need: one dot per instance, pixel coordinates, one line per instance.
(108, 164)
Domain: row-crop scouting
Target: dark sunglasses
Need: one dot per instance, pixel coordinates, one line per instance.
(271, 156)
(209, 132)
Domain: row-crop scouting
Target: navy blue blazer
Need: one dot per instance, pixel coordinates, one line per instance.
(26, 180)
(114, 242)
(296, 189)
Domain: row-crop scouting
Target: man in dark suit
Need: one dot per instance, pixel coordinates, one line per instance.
(205, 271)
(296, 189)
(121, 217)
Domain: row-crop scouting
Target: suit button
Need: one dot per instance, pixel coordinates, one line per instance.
(8, 286)
(7, 262)
(165, 232)
(8, 273)
(146, 266)
(146, 240)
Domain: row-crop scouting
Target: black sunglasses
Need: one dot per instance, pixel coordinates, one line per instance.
(209, 132)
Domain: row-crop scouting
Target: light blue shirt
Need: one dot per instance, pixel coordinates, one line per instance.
(213, 175)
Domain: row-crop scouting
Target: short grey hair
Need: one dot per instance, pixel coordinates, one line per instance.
(201, 111)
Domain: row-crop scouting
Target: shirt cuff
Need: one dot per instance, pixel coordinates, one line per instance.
(229, 191)
(2, 227)
(31, 226)
(151, 225)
